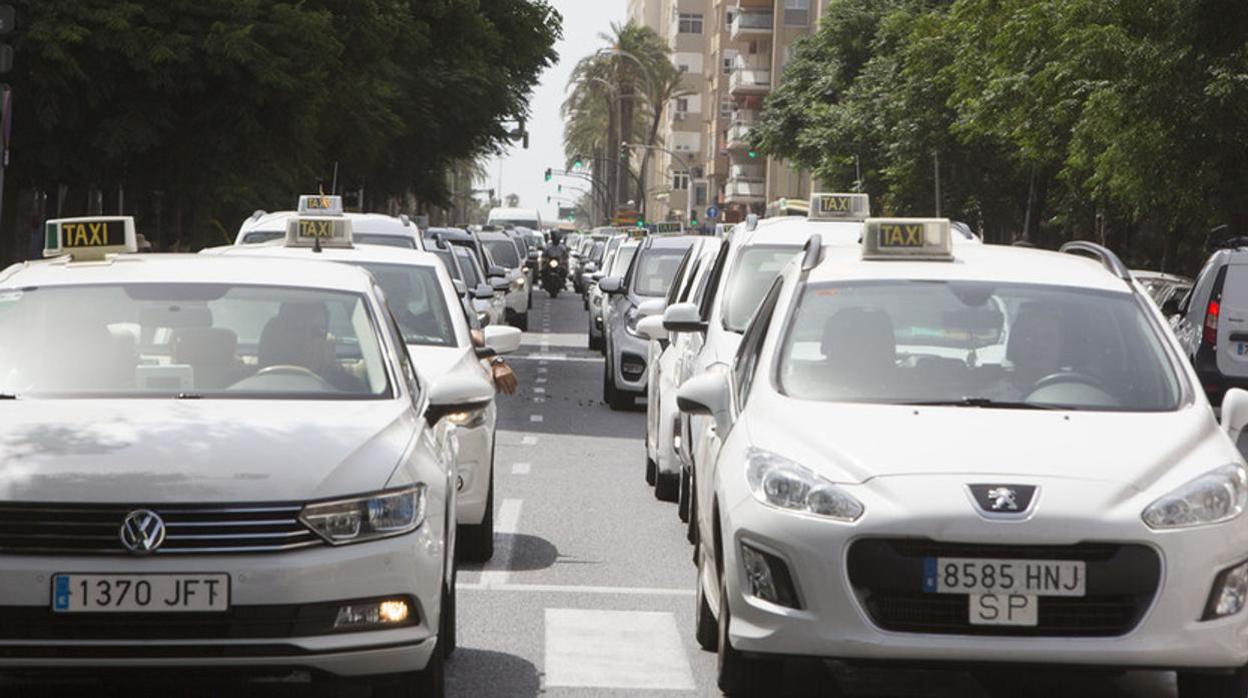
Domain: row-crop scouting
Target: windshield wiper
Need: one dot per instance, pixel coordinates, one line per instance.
(989, 403)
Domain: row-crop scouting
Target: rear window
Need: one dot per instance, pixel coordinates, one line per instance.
(655, 269)
(503, 252)
(416, 301)
(259, 236)
(749, 280)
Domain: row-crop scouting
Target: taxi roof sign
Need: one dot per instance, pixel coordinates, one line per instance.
(320, 205)
(839, 207)
(907, 238)
(318, 231)
(89, 238)
(669, 228)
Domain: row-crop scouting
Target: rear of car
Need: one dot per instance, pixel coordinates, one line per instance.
(506, 253)
(1213, 323)
(620, 255)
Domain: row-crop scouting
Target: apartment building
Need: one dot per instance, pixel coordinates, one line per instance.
(746, 45)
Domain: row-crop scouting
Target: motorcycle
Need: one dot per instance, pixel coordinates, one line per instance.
(554, 275)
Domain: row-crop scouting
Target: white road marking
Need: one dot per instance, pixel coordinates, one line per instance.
(545, 357)
(507, 524)
(615, 649)
(540, 380)
(520, 469)
(536, 418)
(574, 589)
(539, 389)
(539, 400)
(542, 369)
(528, 441)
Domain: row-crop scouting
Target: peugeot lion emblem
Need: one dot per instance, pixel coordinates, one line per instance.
(1003, 501)
(142, 531)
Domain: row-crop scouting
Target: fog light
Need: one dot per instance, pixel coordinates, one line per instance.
(365, 616)
(1230, 591)
(767, 577)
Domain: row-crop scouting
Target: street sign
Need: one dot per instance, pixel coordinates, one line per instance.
(712, 212)
(7, 17)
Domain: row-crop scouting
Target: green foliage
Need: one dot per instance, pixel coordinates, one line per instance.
(229, 105)
(1123, 120)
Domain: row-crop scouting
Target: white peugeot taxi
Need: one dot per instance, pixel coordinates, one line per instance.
(219, 463)
(424, 303)
(973, 454)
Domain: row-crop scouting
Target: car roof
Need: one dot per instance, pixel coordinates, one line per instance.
(1144, 275)
(371, 254)
(493, 235)
(449, 233)
(507, 212)
(370, 223)
(973, 263)
(671, 241)
(796, 230)
(187, 268)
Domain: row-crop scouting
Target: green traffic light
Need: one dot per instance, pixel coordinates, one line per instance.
(548, 174)
(753, 154)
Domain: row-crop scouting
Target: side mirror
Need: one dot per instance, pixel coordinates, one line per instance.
(496, 270)
(454, 393)
(483, 292)
(502, 339)
(683, 317)
(1170, 307)
(589, 268)
(654, 306)
(1235, 412)
(652, 328)
(461, 289)
(597, 276)
(499, 283)
(612, 285)
(707, 394)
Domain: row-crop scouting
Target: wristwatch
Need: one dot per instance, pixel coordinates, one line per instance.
(497, 361)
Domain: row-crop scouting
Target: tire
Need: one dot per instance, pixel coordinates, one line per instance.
(522, 321)
(706, 628)
(595, 343)
(450, 632)
(620, 400)
(554, 292)
(666, 486)
(682, 497)
(608, 387)
(651, 471)
(476, 541)
(737, 674)
(692, 533)
(1196, 685)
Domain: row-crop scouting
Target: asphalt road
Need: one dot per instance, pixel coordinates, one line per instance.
(590, 592)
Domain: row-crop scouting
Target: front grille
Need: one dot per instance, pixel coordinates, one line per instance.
(95, 529)
(887, 575)
(38, 623)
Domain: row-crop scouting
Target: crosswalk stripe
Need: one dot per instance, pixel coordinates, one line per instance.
(615, 649)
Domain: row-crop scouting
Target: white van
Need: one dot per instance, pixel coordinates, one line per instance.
(529, 218)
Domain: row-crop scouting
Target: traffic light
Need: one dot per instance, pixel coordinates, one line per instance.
(578, 163)
(549, 174)
(753, 154)
(641, 223)
(559, 188)
(693, 221)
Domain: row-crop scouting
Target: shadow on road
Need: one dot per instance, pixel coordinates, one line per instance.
(484, 674)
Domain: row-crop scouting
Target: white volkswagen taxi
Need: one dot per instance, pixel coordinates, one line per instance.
(370, 228)
(424, 303)
(969, 455)
(219, 463)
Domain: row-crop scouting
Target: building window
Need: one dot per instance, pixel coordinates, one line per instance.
(725, 108)
(682, 105)
(796, 13)
(729, 57)
(680, 181)
(690, 23)
(729, 16)
(699, 194)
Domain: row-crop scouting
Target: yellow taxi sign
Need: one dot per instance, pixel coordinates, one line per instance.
(318, 231)
(90, 237)
(907, 238)
(839, 207)
(669, 228)
(320, 205)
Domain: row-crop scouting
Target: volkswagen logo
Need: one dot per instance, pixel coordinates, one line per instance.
(142, 531)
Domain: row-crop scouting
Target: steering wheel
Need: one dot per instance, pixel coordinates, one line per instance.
(1069, 377)
(292, 370)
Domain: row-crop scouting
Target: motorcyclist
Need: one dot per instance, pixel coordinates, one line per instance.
(556, 250)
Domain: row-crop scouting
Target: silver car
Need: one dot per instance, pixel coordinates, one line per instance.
(614, 263)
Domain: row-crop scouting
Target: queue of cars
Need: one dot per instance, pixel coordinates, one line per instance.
(893, 442)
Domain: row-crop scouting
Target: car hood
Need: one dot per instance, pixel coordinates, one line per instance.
(853, 443)
(162, 451)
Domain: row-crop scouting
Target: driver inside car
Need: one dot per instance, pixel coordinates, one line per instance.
(299, 336)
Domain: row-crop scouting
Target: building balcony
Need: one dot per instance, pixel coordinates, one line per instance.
(738, 137)
(745, 190)
(751, 25)
(749, 81)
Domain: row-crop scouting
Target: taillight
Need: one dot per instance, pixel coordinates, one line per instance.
(1210, 334)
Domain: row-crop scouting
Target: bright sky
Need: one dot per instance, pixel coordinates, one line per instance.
(522, 170)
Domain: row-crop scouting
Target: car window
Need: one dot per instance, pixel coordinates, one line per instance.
(416, 301)
(678, 281)
(953, 341)
(449, 263)
(258, 236)
(655, 268)
(749, 278)
(751, 349)
(385, 240)
(468, 264)
(623, 258)
(503, 252)
(712, 285)
(207, 340)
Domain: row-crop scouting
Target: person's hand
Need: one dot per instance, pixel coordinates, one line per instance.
(504, 378)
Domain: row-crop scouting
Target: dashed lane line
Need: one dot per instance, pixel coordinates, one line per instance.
(520, 468)
(505, 527)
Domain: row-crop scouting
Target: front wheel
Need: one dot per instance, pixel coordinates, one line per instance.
(1196, 685)
(666, 486)
(476, 541)
(522, 321)
(737, 674)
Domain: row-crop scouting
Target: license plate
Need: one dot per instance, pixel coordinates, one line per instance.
(957, 575)
(1004, 609)
(140, 593)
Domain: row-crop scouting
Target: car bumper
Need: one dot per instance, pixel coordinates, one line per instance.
(517, 300)
(839, 618)
(629, 351)
(262, 587)
(474, 462)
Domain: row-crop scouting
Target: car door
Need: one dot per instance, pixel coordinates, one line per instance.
(1232, 341)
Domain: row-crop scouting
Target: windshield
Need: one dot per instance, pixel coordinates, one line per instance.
(385, 240)
(655, 270)
(468, 264)
(503, 252)
(514, 223)
(595, 254)
(259, 236)
(976, 342)
(623, 258)
(197, 340)
(416, 301)
(749, 280)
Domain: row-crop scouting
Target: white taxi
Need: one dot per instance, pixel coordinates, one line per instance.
(370, 228)
(219, 463)
(969, 455)
(424, 303)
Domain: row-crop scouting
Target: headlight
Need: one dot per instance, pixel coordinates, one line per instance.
(1216, 496)
(367, 518)
(631, 320)
(554, 263)
(518, 282)
(781, 483)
